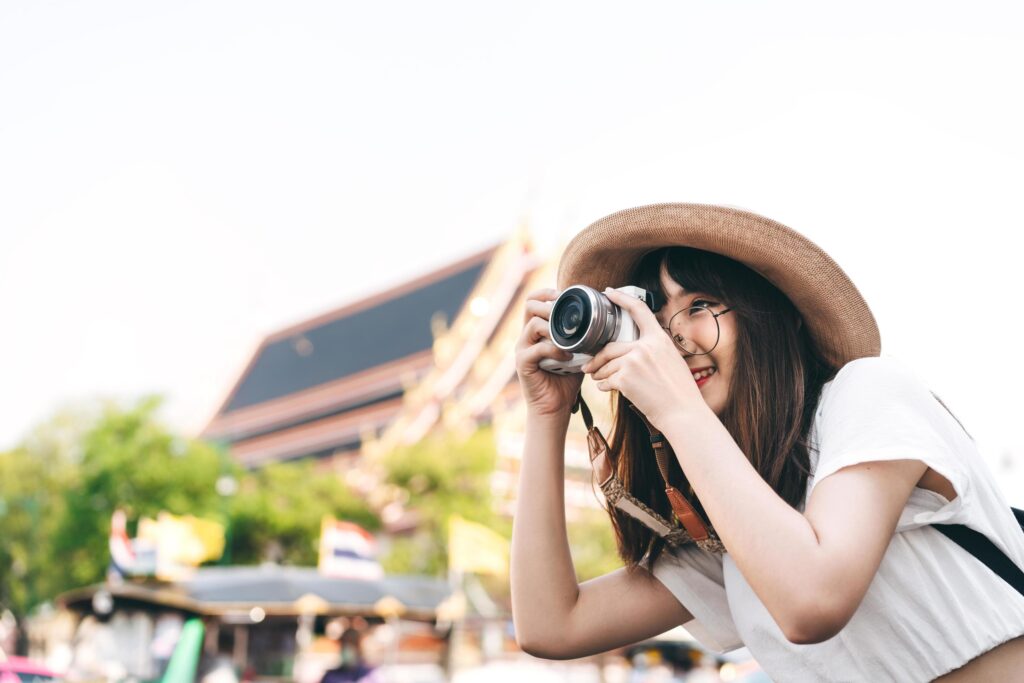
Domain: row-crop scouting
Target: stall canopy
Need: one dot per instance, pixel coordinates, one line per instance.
(276, 590)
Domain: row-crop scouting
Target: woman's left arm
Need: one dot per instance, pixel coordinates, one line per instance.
(811, 569)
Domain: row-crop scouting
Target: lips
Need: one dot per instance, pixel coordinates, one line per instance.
(702, 380)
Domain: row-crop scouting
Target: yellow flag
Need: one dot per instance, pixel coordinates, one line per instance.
(210, 535)
(182, 541)
(473, 547)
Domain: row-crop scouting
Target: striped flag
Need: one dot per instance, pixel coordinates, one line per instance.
(347, 551)
(128, 556)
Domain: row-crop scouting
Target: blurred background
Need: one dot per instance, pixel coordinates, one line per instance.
(262, 268)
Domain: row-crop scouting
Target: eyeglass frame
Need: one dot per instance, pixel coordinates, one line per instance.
(718, 326)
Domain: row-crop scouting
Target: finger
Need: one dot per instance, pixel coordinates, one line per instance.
(608, 384)
(536, 330)
(611, 351)
(607, 370)
(547, 294)
(638, 310)
(533, 355)
(540, 309)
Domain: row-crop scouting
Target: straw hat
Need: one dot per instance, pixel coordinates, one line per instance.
(606, 252)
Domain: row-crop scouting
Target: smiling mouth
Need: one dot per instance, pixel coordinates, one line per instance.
(703, 373)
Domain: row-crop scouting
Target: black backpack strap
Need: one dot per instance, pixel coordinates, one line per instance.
(981, 547)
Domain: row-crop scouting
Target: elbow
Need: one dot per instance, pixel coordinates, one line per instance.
(543, 643)
(814, 624)
(542, 648)
(809, 633)
(528, 640)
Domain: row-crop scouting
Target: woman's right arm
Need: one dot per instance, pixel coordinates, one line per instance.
(554, 616)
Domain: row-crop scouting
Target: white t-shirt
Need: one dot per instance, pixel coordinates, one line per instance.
(932, 607)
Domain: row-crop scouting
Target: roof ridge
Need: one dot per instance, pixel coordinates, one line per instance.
(392, 292)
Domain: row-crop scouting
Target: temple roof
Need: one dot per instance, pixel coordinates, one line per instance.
(345, 361)
(386, 331)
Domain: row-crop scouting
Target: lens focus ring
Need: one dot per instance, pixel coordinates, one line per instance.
(583, 320)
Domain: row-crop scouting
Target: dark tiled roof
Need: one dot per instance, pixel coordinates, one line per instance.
(391, 330)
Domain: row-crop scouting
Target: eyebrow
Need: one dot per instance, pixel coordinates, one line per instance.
(685, 292)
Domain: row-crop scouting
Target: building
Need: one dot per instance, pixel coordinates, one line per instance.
(434, 352)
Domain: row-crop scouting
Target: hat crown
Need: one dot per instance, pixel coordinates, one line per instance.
(605, 254)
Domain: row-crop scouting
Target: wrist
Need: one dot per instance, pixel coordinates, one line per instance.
(684, 419)
(554, 419)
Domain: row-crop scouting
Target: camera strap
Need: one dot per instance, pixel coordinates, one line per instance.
(687, 527)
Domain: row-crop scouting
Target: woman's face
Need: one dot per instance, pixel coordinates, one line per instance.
(715, 389)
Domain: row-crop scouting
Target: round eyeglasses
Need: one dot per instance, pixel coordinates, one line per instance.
(695, 324)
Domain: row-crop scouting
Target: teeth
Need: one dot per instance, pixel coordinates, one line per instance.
(704, 373)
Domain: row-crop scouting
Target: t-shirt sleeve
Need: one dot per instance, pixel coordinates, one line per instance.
(695, 577)
(877, 409)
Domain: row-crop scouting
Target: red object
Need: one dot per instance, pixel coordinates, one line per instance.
(17, 669)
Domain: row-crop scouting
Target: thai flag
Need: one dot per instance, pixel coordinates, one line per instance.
(128, 556)
(348, 551)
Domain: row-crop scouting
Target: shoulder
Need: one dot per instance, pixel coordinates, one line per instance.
(875, 381)
(873, 369)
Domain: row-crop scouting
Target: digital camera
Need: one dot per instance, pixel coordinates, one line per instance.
(583, 320)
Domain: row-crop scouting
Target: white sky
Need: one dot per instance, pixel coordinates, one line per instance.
(179, 179)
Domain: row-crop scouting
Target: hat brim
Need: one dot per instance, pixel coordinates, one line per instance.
(606, 253)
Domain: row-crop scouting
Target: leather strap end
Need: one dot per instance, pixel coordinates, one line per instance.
(686, 515)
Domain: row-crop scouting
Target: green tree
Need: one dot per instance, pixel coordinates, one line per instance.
(60, 487)
(33, 478)
(130, 460)
(277, 512)
(442, 475)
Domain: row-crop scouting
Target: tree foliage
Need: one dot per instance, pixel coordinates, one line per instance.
(130, 460)
(277, 513)
(59, 489)
(444, 474)
(33, 479)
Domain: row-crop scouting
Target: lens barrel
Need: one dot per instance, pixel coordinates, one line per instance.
(583, 320)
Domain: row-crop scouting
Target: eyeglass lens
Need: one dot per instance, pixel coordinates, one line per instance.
(693, 329)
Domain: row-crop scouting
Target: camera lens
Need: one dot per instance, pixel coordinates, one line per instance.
(569, 314)
(583, 320)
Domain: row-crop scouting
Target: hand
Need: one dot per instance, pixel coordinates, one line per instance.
(546, 393)
(650, 371)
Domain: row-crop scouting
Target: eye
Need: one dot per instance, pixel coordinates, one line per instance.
(703, 303)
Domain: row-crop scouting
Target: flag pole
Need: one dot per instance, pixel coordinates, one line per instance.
(456, 579)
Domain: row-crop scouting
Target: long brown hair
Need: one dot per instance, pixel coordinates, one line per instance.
(773, 394)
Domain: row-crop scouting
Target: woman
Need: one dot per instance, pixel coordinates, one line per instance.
(816, 466)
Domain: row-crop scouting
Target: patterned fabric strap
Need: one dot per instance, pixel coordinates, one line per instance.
(617, 496)
(680, 506)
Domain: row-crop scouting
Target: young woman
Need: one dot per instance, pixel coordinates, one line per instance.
(816, 466)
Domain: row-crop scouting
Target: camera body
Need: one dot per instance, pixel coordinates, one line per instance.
(583, 320)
